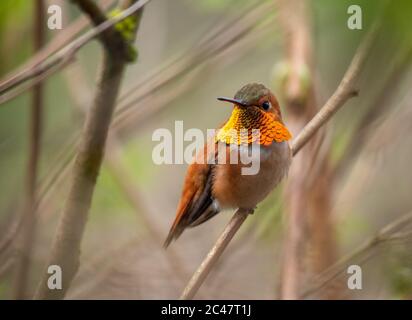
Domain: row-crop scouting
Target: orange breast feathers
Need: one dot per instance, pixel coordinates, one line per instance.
(248, 126)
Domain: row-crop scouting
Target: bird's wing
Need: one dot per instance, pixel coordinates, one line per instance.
(196, 203)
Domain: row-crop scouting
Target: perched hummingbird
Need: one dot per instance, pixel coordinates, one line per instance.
(211, 186)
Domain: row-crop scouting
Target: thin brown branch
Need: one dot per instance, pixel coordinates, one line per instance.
(110, 37)
(388, 233)
(55, 44)
(344, 91)
(92, 10)
(67, 242)
(27, 232)
(10, 235)
(298, 93)
(89, 278)
(62, 38)
(397, 70)
(62, 57)
(38, 78)
(131, 191)
(222, 242)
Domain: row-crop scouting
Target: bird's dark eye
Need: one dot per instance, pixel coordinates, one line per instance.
(266, 105)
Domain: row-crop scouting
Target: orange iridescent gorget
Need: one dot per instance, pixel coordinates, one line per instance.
(239, 129)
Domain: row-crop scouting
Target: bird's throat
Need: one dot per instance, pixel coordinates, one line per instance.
(252, 125)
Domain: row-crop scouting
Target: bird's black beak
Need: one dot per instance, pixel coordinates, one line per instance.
(234, 101)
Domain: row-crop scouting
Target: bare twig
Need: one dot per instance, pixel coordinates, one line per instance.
(397, 70)
(56, 43)
(66, 245)
(222, 242)
(387, 233)
(298, 93)
(62, 57)
(344, 91)
(27, 232)
(131, 191)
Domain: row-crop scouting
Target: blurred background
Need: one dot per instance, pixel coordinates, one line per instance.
(349, 183)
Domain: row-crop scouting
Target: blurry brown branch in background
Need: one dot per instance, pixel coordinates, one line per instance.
(27, 233)
(67, 242)
(390, 232)
(397, 70)
(309, 237)
(55, 44)
(61, 39)
(51, 64)
(131, 191)
(98, 269)
(344, 91)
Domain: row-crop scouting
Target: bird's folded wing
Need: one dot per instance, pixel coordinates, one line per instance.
(196, 202)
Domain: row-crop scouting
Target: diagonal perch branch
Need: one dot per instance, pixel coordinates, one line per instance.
(201, 273)
(345, 91)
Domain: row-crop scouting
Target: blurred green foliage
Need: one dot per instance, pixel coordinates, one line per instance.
(12, 13)
(398, 267)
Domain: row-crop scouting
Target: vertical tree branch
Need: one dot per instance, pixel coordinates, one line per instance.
(309, 243)
(298, 95)
(27, 232)
(66, 245)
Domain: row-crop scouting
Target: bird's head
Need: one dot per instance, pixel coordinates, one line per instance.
(255, 98)
(255, 107)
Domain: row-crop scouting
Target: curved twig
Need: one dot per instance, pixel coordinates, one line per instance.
(387, 233)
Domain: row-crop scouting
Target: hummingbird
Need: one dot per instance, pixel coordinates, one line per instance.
(211, 185)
